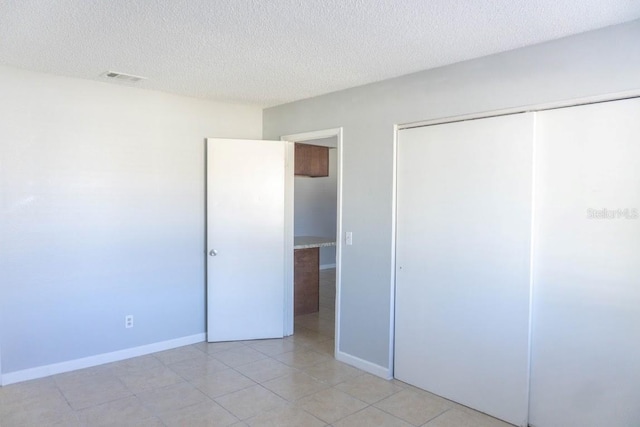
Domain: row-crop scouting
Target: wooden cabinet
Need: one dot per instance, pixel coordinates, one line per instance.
(306, 272)
(311, 160)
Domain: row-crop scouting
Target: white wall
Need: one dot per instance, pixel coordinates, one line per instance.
(593, 63)
(102, 205)
(315, 202)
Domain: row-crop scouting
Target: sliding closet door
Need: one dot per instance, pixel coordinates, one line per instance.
(463, 262)
(586, 340)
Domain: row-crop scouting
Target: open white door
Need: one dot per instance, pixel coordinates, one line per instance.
(246, 239)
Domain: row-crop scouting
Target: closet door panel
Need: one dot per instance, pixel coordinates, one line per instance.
(586, 311)
(463, 262)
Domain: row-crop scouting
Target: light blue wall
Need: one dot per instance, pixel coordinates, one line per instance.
(593, 63)
(102, 206)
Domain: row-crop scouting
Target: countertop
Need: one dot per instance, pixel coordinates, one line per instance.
(306, 242)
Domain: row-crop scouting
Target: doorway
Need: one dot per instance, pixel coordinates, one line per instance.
(316, 211)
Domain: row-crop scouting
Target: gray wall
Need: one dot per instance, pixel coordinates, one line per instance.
(102, 206)
(594, 63)
(315, 206)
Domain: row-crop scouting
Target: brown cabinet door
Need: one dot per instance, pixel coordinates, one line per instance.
(306, 281)
(311, 160)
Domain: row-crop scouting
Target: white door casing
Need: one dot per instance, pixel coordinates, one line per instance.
(289, 295)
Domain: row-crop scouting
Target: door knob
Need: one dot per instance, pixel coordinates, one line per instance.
(213, 252)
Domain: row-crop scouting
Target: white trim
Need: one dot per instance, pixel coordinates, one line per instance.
(288, 238)
(372, 368)
(327, 266)
(318, 134)
(99, 359)
(339, 234)
(532, 247)
(392, 296)
(321, 134)
(526, 109)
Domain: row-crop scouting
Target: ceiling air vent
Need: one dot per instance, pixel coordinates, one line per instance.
(123, 77)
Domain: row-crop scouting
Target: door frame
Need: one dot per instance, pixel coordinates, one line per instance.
(288, 304)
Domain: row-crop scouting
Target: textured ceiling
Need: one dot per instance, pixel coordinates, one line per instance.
(269, 52)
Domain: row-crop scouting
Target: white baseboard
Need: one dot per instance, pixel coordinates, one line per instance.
(372, 368)
(99, 359)
(327, 266)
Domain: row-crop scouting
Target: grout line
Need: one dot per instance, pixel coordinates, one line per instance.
(437, 416)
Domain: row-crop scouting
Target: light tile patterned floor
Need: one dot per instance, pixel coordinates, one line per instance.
(289, 382)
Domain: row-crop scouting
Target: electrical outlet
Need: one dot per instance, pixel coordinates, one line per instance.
(349, 238)
(128, 321)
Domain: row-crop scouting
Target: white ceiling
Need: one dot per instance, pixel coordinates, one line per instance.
(268, 52)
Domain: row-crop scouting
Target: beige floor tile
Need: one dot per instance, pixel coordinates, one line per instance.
(308, 334)
(89, 376)
(27, 389)
(134, 365)
(309, 321)
(103, 389)
(250, 401)
(460, 418)
(273, 347)
(148, 379)
(216, 347)
(48, 401)
(332, 372)
(179, 354)
(285, 417)
(331, 405)
(371, 417)
(41, 418)
(221, 383)
(46, 408)
(327, 313)
(324, 347)
(294, 386)
(412, 407)
(197, 368)
(297, 345)
(239, 356)
(116, 412)
(369, 388)
(307, 338)
(203, 414)
(147, 422)
(265, 370)
(442, 400)
(172, 397)
(326, 327)
(302, 358)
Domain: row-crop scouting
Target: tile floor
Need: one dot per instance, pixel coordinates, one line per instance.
(287, 382)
